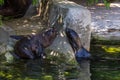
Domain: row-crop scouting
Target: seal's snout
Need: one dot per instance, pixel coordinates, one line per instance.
(82, 54)
(53, 31)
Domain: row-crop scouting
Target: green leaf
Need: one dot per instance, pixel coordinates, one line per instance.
(1, 2)
(35, 2)
(96, 1)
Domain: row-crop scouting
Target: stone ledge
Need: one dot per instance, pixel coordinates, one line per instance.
(106, 23)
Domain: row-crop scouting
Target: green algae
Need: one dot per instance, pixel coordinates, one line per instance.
(105, 42)
(106, 64)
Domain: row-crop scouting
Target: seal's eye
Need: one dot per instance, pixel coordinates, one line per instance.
(51, 31)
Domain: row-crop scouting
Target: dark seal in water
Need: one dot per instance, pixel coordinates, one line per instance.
(32, 46)
(80, 52)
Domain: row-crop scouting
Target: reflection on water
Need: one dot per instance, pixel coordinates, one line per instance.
(48, 69)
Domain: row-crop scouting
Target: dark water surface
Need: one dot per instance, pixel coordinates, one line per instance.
(48, 69)
(106, 65)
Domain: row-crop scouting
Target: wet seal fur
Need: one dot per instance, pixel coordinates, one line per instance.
(80, 52)
(32, 46)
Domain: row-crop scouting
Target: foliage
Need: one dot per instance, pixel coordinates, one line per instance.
(92, 2)
(106, 2)
(1, 2)
(35, 2)
(104, 42)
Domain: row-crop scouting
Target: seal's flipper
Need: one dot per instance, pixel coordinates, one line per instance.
(15, 56)
(17, 37)
(41, 52)
(27, 54)
(82, 54)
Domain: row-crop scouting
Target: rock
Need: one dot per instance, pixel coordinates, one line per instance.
(106, 23)
(9, 48)
(4, 35)
(9, 57)
(2, 48)
(31, 11)
(68, 14)
(85, 70)
(62, 46)
(13, 8)
(5, 40)
(72, 16)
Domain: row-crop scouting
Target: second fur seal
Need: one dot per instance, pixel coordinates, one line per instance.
(32, 46)
(80, 52)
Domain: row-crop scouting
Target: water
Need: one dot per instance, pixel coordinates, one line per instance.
(48, 69)
(106, 65)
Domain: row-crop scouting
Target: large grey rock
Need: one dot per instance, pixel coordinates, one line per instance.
(68, 14)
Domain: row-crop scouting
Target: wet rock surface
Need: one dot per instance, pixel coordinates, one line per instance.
(5, 41)
(106, 22)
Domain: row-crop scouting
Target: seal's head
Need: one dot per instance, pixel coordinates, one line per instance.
(48, 36)
(51, 33)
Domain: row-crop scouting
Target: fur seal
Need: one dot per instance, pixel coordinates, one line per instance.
(80, 52)
(32, 46)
